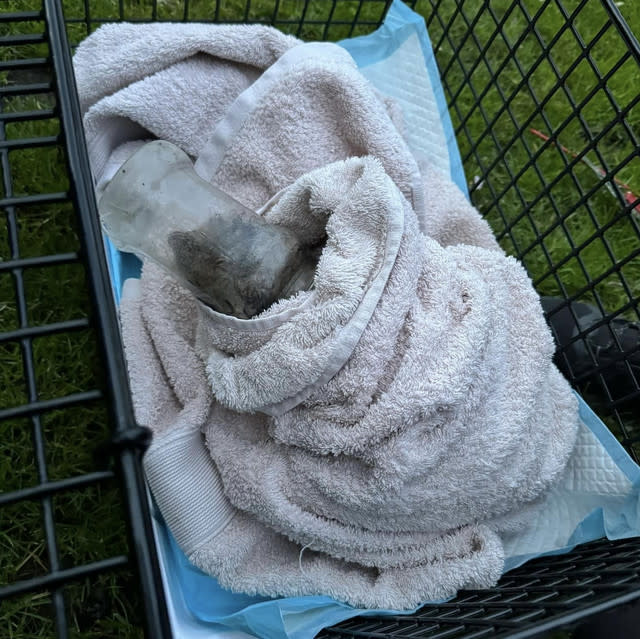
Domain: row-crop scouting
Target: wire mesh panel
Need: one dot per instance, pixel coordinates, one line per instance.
(528, 601)
(537, 597)
(545, 103)
(306, 19)
(544, 99)
(67, 536)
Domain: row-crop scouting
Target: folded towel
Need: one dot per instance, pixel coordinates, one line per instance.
(369, 439)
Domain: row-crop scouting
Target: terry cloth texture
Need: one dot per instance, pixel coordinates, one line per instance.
(370, 439)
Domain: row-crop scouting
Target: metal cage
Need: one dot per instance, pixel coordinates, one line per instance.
(544, 100)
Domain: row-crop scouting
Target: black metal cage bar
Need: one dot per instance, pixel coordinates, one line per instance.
(544, 100)
(58, 107)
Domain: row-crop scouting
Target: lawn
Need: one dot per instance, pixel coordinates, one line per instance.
(568, 229)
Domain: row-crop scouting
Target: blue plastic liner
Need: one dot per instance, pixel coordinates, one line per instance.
(208, 607)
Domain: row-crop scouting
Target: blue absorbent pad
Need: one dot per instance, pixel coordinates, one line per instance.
(599, 494)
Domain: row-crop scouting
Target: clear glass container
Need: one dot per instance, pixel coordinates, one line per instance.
(157, 207)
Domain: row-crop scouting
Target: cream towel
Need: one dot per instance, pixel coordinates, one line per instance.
(363, 439)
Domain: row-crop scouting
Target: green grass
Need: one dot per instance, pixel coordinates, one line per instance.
(89, 522)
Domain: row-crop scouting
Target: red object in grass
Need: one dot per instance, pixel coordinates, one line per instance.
(629, 196)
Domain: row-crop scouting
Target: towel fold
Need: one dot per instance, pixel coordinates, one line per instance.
(369, 439)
